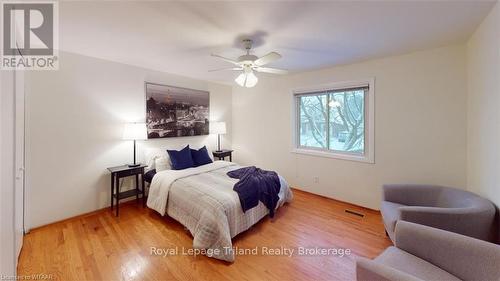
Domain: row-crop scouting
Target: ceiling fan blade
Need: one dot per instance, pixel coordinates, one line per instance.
(226, 59)
(271, 70)
(272, 56)
(226, 68)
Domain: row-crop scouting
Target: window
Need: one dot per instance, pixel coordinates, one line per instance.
(336, 121)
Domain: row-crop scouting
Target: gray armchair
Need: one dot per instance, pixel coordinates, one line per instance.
(441, 207)
(426, 253)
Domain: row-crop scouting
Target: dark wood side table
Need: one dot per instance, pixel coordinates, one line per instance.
(125, 171)
(221, 155)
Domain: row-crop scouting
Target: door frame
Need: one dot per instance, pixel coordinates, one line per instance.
(19, 102)
(19, 170)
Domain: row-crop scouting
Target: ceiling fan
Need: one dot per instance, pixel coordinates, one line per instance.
(249, 63)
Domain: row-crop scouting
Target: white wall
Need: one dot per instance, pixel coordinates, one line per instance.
(483, 76)
(420, 126)
(75, 119)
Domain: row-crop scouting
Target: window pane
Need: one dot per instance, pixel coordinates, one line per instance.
(347, 121)
(312, 123)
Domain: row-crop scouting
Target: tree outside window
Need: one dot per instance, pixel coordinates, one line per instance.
(333, 120)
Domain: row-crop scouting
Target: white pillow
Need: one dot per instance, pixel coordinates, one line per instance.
(162, 163)
(151, 154)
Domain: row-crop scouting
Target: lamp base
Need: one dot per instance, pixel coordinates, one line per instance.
(133, 165)
(220, 150)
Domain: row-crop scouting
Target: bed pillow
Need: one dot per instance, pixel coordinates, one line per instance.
(162, 164)
(152, 154)
(200, 156)
(210, 154)
(181, 159)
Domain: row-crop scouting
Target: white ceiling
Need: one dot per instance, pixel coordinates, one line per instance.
(178, 37)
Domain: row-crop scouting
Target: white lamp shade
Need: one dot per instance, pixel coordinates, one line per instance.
(247, 79)
(135, 131)
(218, 128)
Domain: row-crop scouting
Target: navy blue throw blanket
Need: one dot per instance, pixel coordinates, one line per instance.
(256, 184)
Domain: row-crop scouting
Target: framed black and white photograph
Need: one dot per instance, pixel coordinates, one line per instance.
(176, 112)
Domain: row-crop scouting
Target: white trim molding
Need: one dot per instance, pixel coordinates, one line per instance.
(369, 150)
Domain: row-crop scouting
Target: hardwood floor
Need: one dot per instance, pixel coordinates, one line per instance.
(100, 246)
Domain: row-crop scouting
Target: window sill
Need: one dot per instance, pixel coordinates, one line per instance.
(311, 152)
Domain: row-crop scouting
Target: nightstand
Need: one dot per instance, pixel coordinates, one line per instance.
(221, 155)
(125, 171)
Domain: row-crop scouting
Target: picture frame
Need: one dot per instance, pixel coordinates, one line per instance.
(175, 111)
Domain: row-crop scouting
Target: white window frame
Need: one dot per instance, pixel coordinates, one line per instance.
(369, 149)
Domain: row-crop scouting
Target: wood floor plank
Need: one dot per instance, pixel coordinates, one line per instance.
(100, 246)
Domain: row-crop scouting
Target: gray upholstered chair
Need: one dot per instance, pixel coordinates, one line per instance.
(426, 253)
(440, 207)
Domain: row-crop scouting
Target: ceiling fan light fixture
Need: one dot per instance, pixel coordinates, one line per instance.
(247, 79)
(250, 64)
(251, 80)
(240, 80)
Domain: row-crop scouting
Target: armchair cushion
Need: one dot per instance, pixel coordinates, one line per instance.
(368, 270)
(408, 263)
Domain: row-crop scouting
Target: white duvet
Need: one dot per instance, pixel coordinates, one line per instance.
(203, 200)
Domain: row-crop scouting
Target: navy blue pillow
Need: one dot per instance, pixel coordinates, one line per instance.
(200, 156)
(181, 159)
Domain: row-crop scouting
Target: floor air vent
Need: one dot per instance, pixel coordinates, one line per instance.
(354, 213)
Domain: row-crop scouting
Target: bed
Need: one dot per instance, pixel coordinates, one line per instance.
(203, 200)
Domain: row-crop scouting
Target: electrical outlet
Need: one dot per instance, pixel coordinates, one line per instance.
(316, 179)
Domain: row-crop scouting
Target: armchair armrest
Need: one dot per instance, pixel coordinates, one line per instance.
(411, 194)
(465, 257)
(368, 270)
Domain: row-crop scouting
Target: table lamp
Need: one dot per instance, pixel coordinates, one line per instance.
(218, 128)
(135, 131)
